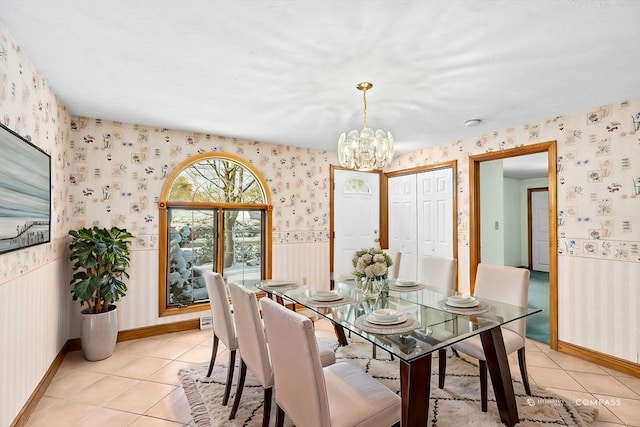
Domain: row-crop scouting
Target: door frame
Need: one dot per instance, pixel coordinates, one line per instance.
(474, 220)
(530, 222)
(384, 201)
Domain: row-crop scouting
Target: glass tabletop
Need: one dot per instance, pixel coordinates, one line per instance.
(421, 323)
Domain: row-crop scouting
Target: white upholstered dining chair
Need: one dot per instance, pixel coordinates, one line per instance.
(223, 327)
(396, 259)
(508, 285)
(339, 395)
(254, 349)
(252, 342)
(438, 271)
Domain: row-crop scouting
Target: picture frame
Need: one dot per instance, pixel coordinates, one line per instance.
(25, 193)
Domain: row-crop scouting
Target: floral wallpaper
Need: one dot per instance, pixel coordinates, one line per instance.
(29, 107)
(110, 173)
(116, 172)
(598, 164)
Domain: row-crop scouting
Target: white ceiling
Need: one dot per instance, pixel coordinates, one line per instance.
(285, 71)
(526, 167)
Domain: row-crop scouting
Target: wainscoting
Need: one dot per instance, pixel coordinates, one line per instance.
(34, 325)
(598, 305)
(304, 262)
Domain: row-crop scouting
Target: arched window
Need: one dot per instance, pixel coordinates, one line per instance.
(356, 186)
(215, 214)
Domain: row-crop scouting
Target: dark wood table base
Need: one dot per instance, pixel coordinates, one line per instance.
(498, 364)
(415, 379)
(340, 335)
(415, 383)
(415, 387)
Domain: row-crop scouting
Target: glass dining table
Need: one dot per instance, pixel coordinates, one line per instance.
(426, 323)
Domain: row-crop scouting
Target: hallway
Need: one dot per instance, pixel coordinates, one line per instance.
(538, 324)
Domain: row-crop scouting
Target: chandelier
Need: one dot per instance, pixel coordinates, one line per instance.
(365, 150)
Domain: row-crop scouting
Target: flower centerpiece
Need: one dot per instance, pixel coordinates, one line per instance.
(371, 267)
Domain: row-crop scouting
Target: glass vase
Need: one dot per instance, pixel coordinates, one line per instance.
(381, 285)
(370, 287)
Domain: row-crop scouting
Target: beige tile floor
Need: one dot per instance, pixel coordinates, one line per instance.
(139, 387)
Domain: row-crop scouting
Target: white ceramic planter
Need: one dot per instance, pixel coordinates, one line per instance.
(99, 334)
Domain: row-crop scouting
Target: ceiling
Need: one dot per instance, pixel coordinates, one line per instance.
(526, 167)
(285, 71)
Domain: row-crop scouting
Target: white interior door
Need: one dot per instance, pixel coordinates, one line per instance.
(421, 217)
(540, 230)
(356, 216)
(403, 224)
(434, 200)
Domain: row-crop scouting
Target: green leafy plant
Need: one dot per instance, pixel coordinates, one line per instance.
(100, 259)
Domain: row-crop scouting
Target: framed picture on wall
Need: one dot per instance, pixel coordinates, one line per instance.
(25, 193)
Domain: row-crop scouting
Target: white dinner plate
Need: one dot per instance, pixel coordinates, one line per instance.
(461, 299)
(405, 283)
(273, 283)
(338, 298)
(326, 296)
(386, 312)
(392, 320)
(326, 293)
(455, 303)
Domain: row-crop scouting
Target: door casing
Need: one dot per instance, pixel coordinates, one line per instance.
(381, 201)
(474, 220)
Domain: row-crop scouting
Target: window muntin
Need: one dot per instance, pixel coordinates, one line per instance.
(356, 186)
(215, 215)
(216, 180)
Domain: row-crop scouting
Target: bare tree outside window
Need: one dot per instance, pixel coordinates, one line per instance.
(215, 221)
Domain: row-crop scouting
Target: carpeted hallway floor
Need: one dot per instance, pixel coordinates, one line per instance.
(538, 324)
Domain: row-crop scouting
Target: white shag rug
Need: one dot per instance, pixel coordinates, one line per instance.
(457, 404)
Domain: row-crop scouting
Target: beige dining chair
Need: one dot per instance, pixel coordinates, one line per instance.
(503, 284)
(254, 353)
(254, 349)
(223, 327)
(337, 395)
(438, 271)
(396, 259)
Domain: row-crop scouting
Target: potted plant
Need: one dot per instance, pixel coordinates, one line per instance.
(100, 258)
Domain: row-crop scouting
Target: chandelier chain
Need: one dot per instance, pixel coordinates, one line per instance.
(364, 102)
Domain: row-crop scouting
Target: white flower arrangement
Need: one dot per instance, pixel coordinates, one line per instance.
(371, 264)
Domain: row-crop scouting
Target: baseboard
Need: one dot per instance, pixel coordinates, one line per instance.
(30, 406)
(155, 330)
(73, 344)
(602, 359)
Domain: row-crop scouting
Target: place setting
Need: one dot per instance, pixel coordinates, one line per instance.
(386, 321)
(400, 285)
(280, 284)
(328, 299)
(464, 304)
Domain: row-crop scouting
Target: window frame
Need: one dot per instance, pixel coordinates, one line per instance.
(164, 205)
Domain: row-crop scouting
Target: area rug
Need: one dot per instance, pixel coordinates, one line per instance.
(457, 404)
